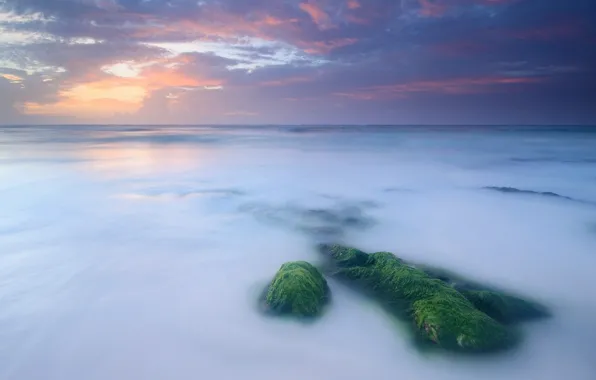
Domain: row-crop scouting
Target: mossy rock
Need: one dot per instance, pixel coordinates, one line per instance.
(498, 304)
(505, 308)
(440, 313)
(299, 290)
(345, 256)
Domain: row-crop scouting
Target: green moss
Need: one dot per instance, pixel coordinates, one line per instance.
(453, 323)
(345, 256)
(505, 308)
(440, 313)
(498, 304)
(298, 289)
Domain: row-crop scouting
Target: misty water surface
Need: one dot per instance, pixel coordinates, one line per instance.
(139, 252)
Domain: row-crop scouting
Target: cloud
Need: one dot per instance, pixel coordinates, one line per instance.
(293, 61)
(433, 8)
(326, 46)
(454, 86)
(241, 113)
(287, 81)
(317, 14)
(353, 4)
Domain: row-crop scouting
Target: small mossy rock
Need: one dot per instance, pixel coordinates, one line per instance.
(298, 289)
(440, 313)
(505, 308)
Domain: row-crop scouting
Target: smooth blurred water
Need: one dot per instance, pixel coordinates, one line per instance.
(138, 252)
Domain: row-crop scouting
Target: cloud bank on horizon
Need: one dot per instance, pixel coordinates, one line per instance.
(297, 61)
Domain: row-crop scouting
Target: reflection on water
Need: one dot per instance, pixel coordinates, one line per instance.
(138, 159)
(138, 252)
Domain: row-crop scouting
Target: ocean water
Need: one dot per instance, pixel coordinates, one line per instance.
(130, 252)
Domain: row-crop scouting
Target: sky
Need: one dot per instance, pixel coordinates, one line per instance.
(298, 61)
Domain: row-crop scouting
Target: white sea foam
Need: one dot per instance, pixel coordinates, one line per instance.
(138, 253)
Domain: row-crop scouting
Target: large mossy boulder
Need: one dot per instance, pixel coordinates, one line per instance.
(440, 313)
(299, 290)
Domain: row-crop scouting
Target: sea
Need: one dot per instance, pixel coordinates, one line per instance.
(141, 252)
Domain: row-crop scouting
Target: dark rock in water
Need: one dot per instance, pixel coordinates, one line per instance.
(322, 232)
(496, 303)
(324, 224)
(513, 190)
(298, 289)
(529, 192)
(343, 217)
(440, 313)
(557, 159)
(398, 190)
(323, 215)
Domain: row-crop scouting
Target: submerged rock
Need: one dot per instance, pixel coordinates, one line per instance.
(298, 289)
(324, 223)
(506, 189)
(550, 194)
(513, 190)
(440, 313)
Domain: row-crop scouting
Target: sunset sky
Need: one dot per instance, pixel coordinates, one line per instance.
(298, 61)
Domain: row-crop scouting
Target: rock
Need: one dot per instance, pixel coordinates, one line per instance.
(345, 256)
(550, 194)
(440, 313)
(498, 304)
(298, 289)
(324, 224)
(505, 308)
(513, 190)
(505, 189)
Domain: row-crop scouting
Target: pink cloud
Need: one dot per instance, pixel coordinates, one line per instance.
(460, 86)
(317, 14)
(286, 81)
(353, 4)
(323, 47)
(431, 8)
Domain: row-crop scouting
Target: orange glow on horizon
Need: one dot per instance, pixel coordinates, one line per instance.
(89, 92)
(94, 99)
(100, 94)
(81, 108)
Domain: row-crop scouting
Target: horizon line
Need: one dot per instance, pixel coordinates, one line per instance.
(289, 125)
